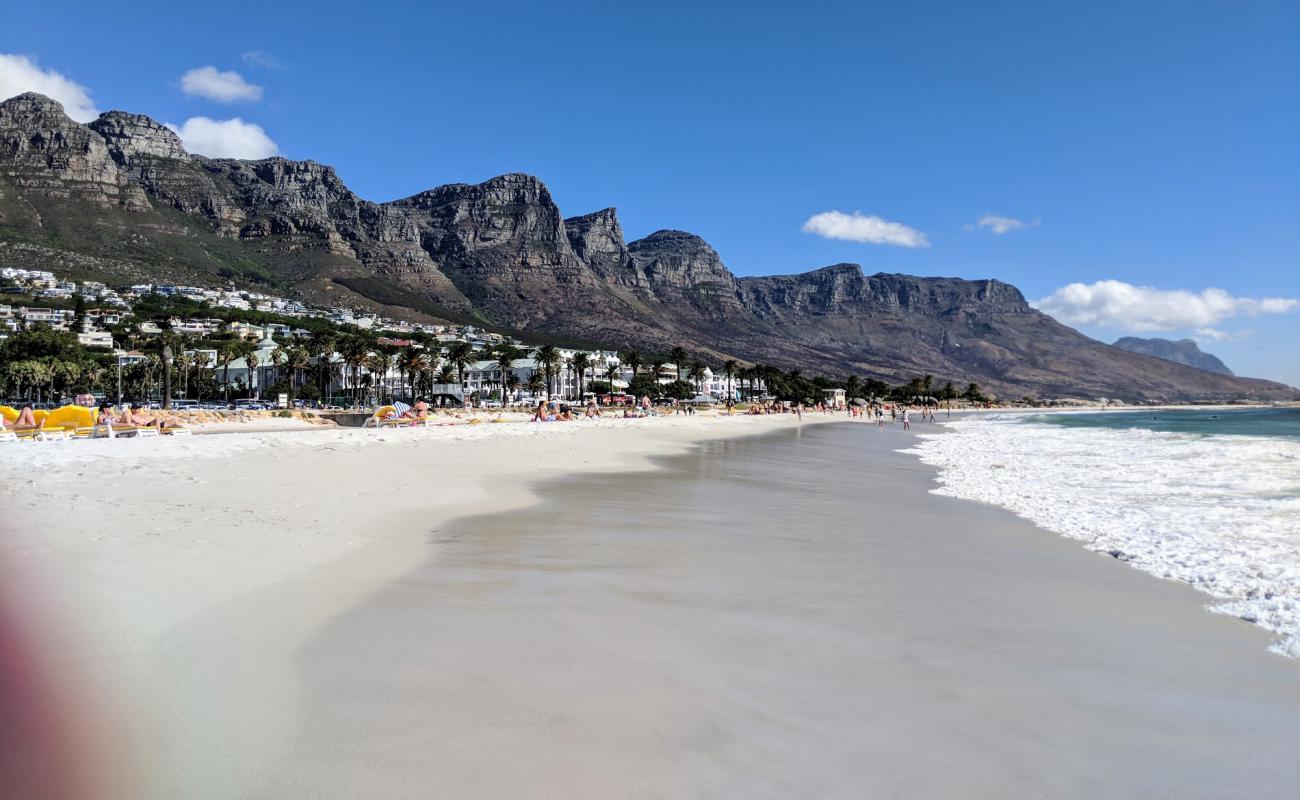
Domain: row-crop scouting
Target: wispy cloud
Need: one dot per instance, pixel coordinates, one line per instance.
(1216, 335)
(1116, 304)
(1000, 225)
(262, 59)
(224, 87)
(859, 227)
(226, 138)
(19, 74)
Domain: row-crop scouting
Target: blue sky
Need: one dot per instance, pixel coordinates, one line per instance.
(1147, 144)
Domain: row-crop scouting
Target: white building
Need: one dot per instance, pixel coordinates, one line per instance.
(102, 339)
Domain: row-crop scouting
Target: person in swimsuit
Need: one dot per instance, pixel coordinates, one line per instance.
(26, 419)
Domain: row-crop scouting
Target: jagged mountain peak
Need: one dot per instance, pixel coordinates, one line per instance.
(33, 103)
(130, 135)
(597, 236)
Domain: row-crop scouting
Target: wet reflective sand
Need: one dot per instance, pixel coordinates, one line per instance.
(784, 616)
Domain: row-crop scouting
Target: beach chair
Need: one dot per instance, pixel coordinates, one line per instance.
(381, 413)
(391, 417)
(8, 436)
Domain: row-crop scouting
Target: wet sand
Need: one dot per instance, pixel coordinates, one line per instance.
(791, 615)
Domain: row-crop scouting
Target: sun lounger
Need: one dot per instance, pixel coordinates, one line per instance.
(8, 436)
(388, 417)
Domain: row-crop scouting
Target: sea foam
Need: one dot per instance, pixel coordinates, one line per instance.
(1221, 513)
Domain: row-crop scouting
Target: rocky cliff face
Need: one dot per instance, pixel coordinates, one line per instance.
(45, 154)
(1183, 351)
(121, 198)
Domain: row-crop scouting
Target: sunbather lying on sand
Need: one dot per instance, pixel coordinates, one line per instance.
(419, 411)
(134, 418)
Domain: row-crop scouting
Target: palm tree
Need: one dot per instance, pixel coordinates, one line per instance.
(535, 383)
(321, 347)
(225, 355)
(695, 371)
(279, 356)
(729, 369)
(446, 373)
(505, 358)
(548, 355)
(612, 372)
(580, 363)
(355, 351)
(410, 363)
(298, 361)
(657, 364)
(632, 359)
(248, 351)
(459, 354)
(678, 356)
(379, 363)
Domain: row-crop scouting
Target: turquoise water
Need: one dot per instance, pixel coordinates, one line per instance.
(1283, 422)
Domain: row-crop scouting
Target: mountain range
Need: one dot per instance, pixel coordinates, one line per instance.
(120, 199)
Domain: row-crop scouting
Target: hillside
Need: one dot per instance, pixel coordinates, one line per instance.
(120, 199)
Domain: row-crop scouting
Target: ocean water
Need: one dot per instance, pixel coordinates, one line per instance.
(1210, 498)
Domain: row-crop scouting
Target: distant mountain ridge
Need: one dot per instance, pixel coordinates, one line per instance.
(1182, 351)
(120, 199)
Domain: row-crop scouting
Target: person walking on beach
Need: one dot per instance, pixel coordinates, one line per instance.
(907, 421)
(880, 417)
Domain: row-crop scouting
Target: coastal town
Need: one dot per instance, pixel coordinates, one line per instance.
(256, 350)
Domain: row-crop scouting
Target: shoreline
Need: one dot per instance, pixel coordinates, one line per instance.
(604, 618)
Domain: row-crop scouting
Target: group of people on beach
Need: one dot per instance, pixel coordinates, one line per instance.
(132, 416)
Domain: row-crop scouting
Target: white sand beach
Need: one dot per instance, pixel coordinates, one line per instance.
(155, 570)
(558, 611)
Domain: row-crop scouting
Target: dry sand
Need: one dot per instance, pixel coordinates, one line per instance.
(358, 614)
(174, 579)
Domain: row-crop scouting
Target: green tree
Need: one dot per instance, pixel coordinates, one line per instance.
(549, 357)
(535, 383)
(730, 369)
(459, 354)
(506, 355)
(680, 390)
(632, 359)
(644, 385)
(678, 356)
(580, 363)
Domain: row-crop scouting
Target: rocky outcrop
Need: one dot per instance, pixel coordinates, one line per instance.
(682, 268)
(122, 194)
(130, 136)
(1183, 351)
(46, 154)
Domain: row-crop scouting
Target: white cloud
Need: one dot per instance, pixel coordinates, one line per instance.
(1117, 304)
(1216, 335)
(226, 138)
(20, 74)
(1000, 225)
(859, 227)
(261, 58)
(224, 87)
